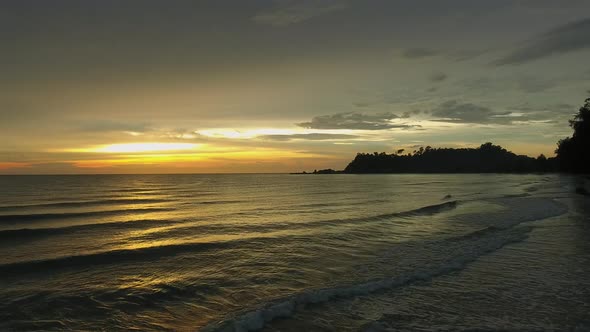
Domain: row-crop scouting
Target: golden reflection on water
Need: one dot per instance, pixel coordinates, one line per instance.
(207, 239)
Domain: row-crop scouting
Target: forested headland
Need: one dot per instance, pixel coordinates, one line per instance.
(572, 156)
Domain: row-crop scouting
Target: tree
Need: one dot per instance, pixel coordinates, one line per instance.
(488, 158)
(573, 152)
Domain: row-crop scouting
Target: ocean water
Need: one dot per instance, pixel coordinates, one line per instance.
(294, 253)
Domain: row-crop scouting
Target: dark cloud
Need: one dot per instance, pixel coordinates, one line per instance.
(309, 137)
(566, 38)
(438, 77)
(456, 112)
(418, 53)
(353, 120)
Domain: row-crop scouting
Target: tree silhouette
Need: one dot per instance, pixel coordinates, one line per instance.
(573, 152)
(488, 158)
(573, 155)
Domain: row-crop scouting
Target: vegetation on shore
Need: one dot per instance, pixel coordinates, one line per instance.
(572, 155)
(573, 152)
(487, 158)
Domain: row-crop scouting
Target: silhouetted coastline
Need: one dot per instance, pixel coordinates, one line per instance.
(572, 156)
(488, 158)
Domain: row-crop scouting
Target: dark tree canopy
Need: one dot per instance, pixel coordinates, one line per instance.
(573, 152)
(488, 158)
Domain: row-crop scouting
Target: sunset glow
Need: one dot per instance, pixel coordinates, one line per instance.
(266, 89)
(144, 147)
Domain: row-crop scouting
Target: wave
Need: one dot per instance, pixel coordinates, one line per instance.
(476, 234)
(431, 209)
(286, 307)
(115, 201)
(112, 257)
(65, 215)
(125, 255)
(517, 195)
(216, 202)
(345, 203)
(257, 318)
(462, 250)
(13, 235)
(515, 211)
(113, 299)
(428, 210)
(31, 233)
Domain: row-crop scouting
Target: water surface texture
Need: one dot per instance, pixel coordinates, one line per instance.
(294, 253)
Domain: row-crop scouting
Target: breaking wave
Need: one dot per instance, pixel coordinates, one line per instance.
(461, 251)
(478, 243)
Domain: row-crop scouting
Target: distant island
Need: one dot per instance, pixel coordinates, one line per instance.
(572, 155)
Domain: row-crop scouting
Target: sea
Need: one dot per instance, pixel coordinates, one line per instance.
(288, 252)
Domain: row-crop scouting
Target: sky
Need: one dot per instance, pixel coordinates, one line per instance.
(220, 86)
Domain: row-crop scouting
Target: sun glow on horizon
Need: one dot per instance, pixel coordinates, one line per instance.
(142, 147)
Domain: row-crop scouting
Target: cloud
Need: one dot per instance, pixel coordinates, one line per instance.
(409, 114)
(418, 53)
(566, 38)
(109, 126)
(354, 120)
(556, 113)
(533, 85)
(361, 104)
(292, 12)
(309, 137)
(465, 55)
(438, 77)
(456, 112)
